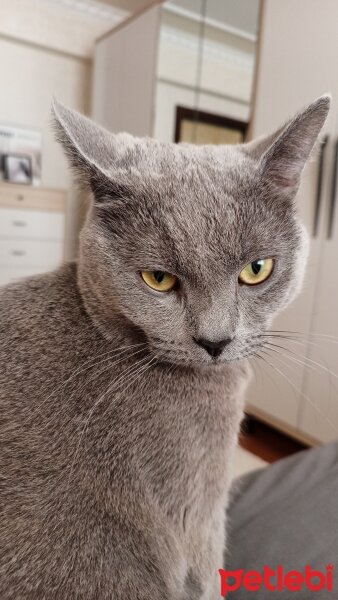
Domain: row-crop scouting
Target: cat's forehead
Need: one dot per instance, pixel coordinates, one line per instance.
(201, 190)
(201, 208)
(187, 173)
(153, 156)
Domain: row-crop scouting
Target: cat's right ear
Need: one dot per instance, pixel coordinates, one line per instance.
(94, 154)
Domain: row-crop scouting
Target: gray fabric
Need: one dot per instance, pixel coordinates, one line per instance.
(286, 514)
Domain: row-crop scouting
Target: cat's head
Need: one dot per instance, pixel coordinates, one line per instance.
(194, 248)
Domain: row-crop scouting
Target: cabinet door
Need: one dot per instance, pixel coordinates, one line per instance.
(276, 390)
(292, 72)
(318, 416)
(124, 69)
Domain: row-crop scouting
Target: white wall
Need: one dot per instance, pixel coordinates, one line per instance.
(65, 25)
(30, 77)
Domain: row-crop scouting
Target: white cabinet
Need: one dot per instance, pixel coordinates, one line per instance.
(32, 227)
(318, 415)
(30, 224)
(297, 62)
(23, 253)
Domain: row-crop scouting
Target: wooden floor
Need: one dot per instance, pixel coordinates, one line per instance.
(266, 442)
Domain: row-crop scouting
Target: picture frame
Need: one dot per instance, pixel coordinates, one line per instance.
(17, 168)
(200, 127)
(15, 139)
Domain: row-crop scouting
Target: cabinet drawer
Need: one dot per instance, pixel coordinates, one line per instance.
(10, 274)
(31, 224)
(24, 196)
(27, 253)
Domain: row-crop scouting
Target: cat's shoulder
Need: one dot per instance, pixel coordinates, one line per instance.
(38, 287)
(40, 296)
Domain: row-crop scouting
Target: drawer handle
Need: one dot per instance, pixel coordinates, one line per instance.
(18, 252)
(20, 197)
(332, 208)
(19, 223)
(319, 185)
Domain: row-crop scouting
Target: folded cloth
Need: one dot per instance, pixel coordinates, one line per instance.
(285, 516)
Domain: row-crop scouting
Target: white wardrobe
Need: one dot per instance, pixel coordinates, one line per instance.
(174, 54)
(298, 61)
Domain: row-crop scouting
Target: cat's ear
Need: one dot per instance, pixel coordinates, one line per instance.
(95, 154)
(87, 145)
(281, 156)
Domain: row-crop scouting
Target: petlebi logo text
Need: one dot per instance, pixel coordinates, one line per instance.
(277, 580)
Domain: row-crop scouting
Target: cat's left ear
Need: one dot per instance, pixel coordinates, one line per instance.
(281, 156)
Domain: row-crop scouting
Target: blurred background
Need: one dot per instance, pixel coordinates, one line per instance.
(201, 71)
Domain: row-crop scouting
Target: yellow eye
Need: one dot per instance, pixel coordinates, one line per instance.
(159, 280)
(256, 271)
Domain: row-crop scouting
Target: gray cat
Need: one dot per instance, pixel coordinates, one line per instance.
(122, 376)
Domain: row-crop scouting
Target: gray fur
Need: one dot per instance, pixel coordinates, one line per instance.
(117, 429)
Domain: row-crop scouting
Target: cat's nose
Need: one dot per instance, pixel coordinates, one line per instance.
(213, 348)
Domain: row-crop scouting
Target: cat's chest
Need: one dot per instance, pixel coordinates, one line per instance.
(175, 411)
(164, 404)
(180, 429)
(173, 428)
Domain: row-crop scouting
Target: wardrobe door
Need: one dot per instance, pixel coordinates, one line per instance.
(318, 415)
(292, 72)
(124, 74)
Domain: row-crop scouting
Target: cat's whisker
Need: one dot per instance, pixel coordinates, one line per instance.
(312, 344)
(298, 391)
(257, 365)
(135, 377)
(97, 375)
(106, 368)
(307, 366)
(301, 360)
(132, 374)
(268, 374)
(304, 361)
(291, 340)
(305, 336)
(294, 361)
(139, 371)
(305, 358)
(112, 388)
(90, 364)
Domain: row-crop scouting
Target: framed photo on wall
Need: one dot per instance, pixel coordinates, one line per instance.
(17, 168)
(198, 127)
(19, 141)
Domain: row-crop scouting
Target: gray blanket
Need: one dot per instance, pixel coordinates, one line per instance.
(286, 515)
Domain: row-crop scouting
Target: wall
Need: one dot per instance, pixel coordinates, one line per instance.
(64, 25)
(30, 77)
(44, 52)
